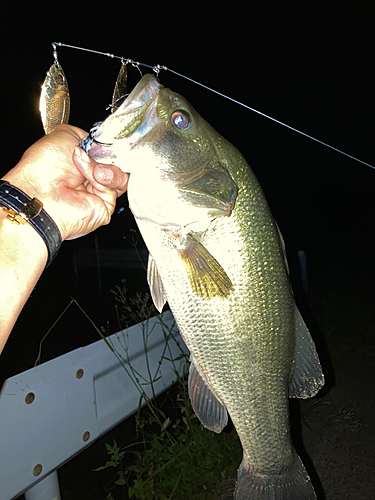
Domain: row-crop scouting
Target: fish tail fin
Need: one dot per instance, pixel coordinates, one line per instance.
(294, 484)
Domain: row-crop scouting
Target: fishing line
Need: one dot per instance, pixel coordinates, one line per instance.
(157, 70)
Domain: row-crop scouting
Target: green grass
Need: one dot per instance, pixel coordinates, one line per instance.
(180, 459)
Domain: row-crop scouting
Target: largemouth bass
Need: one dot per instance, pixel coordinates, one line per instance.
(217, 257)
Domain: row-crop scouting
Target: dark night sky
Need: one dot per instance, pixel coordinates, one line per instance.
(306, 64)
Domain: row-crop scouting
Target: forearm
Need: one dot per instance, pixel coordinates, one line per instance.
(23, 256)
(78, 194)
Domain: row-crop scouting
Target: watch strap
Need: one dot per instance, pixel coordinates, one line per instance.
(13, 198)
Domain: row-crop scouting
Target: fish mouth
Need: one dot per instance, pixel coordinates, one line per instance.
(134, 122)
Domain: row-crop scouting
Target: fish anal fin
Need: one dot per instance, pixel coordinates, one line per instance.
(210, 411)
(155, 284)
(206, 276)
(307, 375)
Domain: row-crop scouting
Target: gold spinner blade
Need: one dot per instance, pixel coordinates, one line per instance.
(121, 86)
(54, 104)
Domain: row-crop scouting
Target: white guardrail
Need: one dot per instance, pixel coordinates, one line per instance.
(50, 413)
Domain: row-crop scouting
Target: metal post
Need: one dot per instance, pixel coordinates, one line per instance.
(47, 489)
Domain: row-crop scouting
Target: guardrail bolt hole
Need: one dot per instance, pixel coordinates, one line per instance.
(29, 398)
(86, 436)
(37, 470)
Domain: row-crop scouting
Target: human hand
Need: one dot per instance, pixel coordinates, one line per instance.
(78, 194)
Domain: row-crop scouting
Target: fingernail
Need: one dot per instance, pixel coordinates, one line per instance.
(81, 154)
(105, 173)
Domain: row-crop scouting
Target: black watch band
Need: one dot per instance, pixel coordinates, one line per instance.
(16, 200)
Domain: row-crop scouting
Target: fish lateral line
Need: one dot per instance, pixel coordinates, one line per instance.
(157, 68)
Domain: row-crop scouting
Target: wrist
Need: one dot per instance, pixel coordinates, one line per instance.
(21, 245)
(23, 256)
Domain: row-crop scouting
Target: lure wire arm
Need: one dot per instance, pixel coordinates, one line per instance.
(157, 70)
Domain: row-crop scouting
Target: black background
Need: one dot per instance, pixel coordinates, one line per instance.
(307, 64)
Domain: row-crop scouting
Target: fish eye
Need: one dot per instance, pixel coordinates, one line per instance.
(180, 119)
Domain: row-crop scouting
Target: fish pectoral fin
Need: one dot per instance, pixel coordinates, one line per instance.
(210, 411)
(206, 276)
(155, 284)
(307, 376)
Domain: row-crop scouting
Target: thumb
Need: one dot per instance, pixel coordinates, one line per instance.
(111, 177)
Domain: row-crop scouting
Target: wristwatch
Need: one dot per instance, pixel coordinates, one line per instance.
(21, 209)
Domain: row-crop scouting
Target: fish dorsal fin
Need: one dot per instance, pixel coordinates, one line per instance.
(283, 247)
(206, 276)
(307, 375)
(206, 406)
(155, 284)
